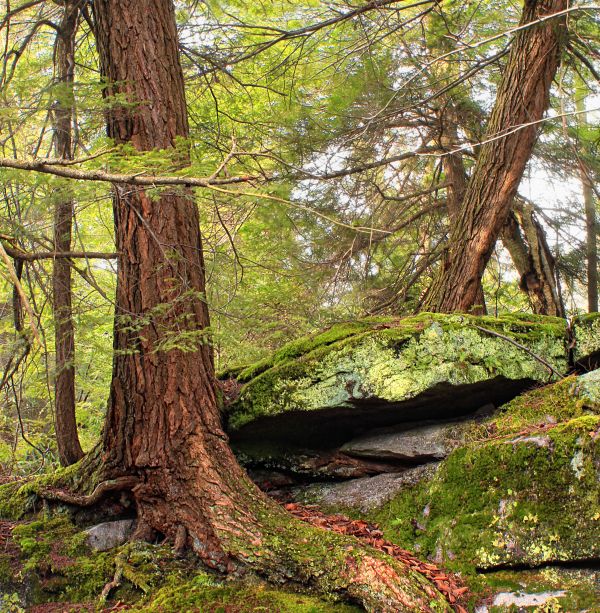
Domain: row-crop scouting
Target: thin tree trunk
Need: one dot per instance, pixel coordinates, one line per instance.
(69, 448)
(163, 425)
(525, 240)
(522, 98)
(591, 245)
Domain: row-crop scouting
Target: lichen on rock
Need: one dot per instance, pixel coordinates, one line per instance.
(376, 366)
(586, 336)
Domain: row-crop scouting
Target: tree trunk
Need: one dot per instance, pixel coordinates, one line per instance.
(522, 98)
(525, 240)
(69, 448)
(454, 169)
(591, 244)
(163, 425)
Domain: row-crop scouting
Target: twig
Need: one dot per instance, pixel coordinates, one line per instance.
(513, 342)
(115, 583)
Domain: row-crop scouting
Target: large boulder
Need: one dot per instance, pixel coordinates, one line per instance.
(524, 491)
(323, 390)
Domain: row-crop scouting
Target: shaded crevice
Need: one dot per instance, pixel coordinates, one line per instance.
(578, 564)
(330, 428)
(300, 448)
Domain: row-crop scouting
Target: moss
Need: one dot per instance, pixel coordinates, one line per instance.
(526, 499)
(60, 568)
(586, 333)
(203, 593)
(19, 498)
(396, 360)
(307, 344)
(57, 565)
(551, 404)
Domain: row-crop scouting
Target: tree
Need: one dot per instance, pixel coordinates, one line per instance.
(69, 448)
(521, 101)
(525, 240)
(163, 435)
(587, 186)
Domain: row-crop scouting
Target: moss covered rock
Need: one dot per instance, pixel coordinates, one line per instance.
(524, 490)
(389, 370)
(585, 330)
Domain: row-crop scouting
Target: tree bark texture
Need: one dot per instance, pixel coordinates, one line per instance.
(456, 173)
(69, 448)
(163, 424)
(522, 98)
(524, 238)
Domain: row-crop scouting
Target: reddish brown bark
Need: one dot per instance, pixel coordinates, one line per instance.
(69, 448)
(163, 425)
(522, 98)
(455, 171)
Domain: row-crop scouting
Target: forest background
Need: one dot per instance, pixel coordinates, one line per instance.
(333, 139)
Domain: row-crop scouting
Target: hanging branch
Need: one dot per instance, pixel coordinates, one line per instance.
(15, 280)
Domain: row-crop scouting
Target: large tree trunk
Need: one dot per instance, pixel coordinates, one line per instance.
(69, 448)
(522, 98)
(455, 171)
(163, 425)
(525, 240)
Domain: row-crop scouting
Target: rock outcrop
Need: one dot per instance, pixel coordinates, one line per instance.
(425, 426)
(318, 393)
(524, 491)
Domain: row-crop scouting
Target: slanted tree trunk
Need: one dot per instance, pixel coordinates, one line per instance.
(525, 240)
(69, 448)
(455, 171)
(522, 98)
(163, 425)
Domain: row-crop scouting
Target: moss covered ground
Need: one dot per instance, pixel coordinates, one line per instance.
(55, 565)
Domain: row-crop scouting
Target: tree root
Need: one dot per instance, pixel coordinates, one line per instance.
(101, 490)
(112, 585)
(449, 585)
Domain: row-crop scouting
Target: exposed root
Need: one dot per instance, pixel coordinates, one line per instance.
(143, 531)
(112, 585)
(101, 490)
(446, 583)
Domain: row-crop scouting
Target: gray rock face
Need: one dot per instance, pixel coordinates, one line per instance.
(364, 494)
(421, 444)
(507, 600)
(109, 534)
